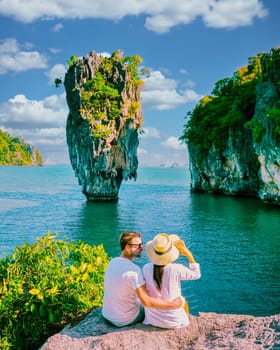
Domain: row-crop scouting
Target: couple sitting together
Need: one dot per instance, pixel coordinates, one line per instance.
(154, 294)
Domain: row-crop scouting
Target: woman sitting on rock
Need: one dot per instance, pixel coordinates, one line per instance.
(163, 279)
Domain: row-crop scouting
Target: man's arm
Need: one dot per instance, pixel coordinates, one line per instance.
(148, 301)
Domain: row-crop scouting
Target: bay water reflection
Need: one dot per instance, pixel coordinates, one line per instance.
(236, 240)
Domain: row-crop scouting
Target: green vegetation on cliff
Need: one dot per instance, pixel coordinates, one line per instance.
(101, 104)
(14, 151)
(231, 106)
(101, 96)
(46, 285)
(274, 115)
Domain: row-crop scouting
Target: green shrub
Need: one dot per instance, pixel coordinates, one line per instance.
(102, 96)
(257, 129)
(274, 115)
(230, 106)
(45, 286)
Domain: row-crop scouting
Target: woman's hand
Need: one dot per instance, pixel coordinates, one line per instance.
(181, 246)
(183, 250)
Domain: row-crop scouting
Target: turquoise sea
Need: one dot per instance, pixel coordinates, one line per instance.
(236, 240)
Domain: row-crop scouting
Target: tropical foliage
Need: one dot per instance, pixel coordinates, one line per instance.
(46, 285)
(102, 96)
(274, 114)
(231, 106)
(14, 151)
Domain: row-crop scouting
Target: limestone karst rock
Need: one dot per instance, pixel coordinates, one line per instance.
(267, 114)
(103, 96)
(233, 136)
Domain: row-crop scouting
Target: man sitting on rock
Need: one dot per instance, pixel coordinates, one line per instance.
(124, 286)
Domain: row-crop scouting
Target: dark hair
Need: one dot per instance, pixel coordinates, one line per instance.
(126, 237)
(158, 273)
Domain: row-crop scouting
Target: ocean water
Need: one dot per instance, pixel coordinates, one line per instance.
(236, 240)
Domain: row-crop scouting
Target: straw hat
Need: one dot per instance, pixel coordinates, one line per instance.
(161, 250)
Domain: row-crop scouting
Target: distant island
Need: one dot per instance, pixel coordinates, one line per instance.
(15, 151)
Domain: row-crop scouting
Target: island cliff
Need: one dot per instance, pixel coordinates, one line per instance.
(103, 96)
(233, 135)
(15, 151)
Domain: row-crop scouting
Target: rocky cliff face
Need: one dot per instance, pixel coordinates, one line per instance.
(103, 96)
(233, 173)
(249, 164)
(208, 331)
(268, 149)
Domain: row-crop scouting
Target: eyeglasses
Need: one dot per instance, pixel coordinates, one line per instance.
(138, 245)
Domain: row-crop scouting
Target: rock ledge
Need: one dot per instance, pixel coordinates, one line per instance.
(207, 331)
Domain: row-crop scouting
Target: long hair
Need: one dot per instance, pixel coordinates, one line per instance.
(158, 273)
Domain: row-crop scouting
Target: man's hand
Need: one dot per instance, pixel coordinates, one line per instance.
(178, 302)
(155, 303)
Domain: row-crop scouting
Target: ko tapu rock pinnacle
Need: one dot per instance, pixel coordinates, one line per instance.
(104, 121)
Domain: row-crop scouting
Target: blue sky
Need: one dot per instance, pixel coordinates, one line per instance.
(187, 45)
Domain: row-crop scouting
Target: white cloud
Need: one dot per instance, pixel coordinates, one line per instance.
(14, 60)
(19, 112)
(57, 27)
(27, 45)
(50, 137)
(155, 152)
(54, 51)
(57, 71)
(141, 151)
(161, 93)
(174, 13)
(160, 16)
(150, 159)
(150, 132)
(173, 143)
(232, 14)
(190, 83)
(184, 71)
(167, 158)
(8, 46)
(40, 123)
(105, 54)
(51, 142)
(157, 81)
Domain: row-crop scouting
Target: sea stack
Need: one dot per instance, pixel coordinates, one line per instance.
(104, 120)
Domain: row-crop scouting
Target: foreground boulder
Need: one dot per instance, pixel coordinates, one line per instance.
(207, 331)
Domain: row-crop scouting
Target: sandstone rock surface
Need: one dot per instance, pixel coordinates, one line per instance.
(207, 331)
